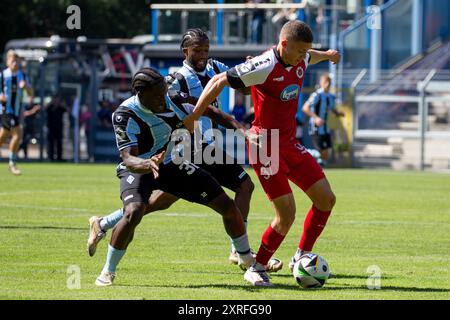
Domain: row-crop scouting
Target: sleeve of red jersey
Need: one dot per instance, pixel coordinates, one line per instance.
(251, 72)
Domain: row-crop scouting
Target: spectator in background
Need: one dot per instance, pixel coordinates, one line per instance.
(85, 118)
(29, 113)
(239, 110)
(104, 114)
(55, 112)
(283, 16)
(259, 17)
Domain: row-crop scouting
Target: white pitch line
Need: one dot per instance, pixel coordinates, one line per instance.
(252, 216)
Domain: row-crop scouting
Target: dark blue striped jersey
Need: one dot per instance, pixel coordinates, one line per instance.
(136, 126)
(191, 83)
(321, 103)
(11, 91)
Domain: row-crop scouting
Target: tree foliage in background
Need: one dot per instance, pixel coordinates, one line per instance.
(99, 18)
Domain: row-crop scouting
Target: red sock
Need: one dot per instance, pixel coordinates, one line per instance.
(270, 242)
(314, 224)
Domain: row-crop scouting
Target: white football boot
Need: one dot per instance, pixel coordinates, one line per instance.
(274, 264)
(258, 276)
(296, 257)
(95, 234)
(13, 169)
(105, 279)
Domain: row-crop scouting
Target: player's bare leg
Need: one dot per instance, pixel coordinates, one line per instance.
(243, 195)
(16, 138)
(324, 154)
(120, 239)
(323, 200)
(235, 227)
(242, 198)
(4, 134)
(159, 201)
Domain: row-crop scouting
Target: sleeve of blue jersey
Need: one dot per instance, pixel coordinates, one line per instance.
(313, 99)
(222, 67)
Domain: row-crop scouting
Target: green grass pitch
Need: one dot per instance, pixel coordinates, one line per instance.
(399, 222)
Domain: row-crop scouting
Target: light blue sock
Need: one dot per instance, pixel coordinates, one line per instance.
(233, 249)
(12, 157)
(111, 220)
(112, 259)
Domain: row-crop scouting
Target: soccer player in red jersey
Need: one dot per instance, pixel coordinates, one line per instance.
(276, 78)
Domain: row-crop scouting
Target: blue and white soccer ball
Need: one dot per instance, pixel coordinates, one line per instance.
(311, 271)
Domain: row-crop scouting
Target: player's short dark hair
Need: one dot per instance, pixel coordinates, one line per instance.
(146, 78)
(192, 35)
(296, 30)
(326, 75)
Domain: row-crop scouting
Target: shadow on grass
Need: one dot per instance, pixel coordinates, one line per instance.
(292, 287)
(42, 228)
(335, 276)
(247, 288)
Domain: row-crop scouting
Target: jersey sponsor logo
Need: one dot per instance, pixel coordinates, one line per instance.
(300, 72)
(290, 92)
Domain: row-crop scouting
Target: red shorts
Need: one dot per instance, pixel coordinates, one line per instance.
(295, 164)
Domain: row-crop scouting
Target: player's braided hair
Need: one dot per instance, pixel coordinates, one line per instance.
(191, 35)
(146, 78)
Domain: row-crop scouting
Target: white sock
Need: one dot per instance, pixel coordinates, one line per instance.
(233, 248)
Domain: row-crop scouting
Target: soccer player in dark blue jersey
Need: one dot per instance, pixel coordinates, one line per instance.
(143, 127)
(13, 84)
(318, 106)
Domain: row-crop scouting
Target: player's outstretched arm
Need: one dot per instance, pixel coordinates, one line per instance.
(222, 118)
(318, 56)
(142, 166)
(209, 94)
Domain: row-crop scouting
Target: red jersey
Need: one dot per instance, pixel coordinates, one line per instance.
(275, 89)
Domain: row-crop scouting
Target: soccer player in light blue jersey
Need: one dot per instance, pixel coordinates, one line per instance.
(318, 106)
(13, 84)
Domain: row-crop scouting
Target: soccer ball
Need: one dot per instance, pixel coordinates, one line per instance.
(311, 271)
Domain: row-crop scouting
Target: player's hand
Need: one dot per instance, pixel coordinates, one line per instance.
(154, 163)
(2, 98)
(22, 84)
(334, 56)
(319, 122)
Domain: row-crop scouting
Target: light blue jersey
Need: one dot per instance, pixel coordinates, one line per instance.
(136, 126)
(10, 89)
(191, 82)
(321, 103)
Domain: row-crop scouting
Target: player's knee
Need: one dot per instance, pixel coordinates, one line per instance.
(246, 187)
(225, 205)
(134, 213)
(327, 202)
